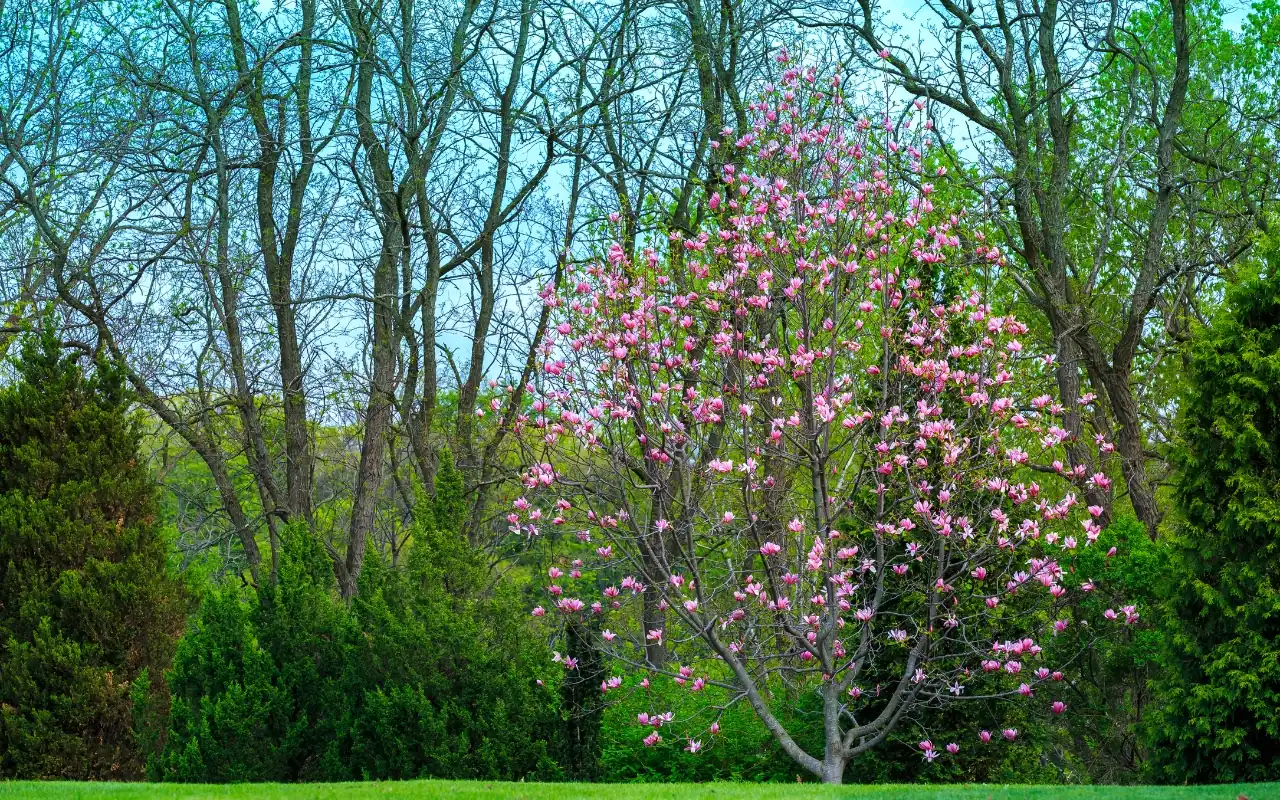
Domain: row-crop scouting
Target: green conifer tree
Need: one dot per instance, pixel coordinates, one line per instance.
(88, 600)
(1219, 716)
(432, 671)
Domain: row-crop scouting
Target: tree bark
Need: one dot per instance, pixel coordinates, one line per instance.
(368, 479)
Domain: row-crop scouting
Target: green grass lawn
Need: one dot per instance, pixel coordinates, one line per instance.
(491, 790)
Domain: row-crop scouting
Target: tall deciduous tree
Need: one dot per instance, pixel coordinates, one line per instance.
(278, 214)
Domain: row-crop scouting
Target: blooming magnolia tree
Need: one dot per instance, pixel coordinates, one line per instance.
(767, 454)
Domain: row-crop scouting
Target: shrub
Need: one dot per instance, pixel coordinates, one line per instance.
(431, 672)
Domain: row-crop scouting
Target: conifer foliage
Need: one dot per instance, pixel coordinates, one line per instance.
(431, 672)
(1220, 719)
(88, 601)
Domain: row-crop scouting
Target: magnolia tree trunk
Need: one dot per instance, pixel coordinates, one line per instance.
(834, 757)
(833, 768)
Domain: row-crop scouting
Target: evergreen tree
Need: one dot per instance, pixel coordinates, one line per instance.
(1220, 712)
(255, 680)
(449, 665)
(433, 671)
(88, 600)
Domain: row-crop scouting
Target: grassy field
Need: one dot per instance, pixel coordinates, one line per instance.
(482, 790)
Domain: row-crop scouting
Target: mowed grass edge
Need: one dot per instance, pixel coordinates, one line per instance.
(489, 790)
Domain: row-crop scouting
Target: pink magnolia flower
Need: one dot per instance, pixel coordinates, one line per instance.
(570, 605)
